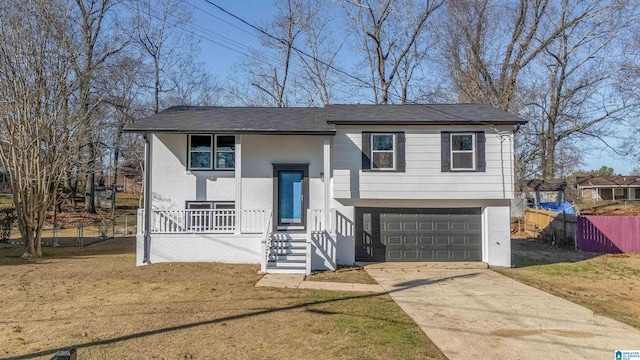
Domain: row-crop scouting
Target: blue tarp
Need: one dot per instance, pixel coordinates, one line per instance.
(558, 207)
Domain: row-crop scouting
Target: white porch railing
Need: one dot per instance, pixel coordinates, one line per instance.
(206, 221)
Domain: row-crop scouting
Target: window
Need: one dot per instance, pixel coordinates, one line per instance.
(618, 191)
(225, 152)
(382, 151)
(462, 152)
(201, 154)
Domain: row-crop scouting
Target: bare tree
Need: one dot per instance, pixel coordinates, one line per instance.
(92, 49)
(389, 32)
(38, 121)
(161, 36)
(582, 65)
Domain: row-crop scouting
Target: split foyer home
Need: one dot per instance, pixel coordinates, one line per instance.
(299, 189)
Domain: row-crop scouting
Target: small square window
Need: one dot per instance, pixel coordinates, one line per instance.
(225, 152)
(200, 152)
(383, 151)
(462, 152)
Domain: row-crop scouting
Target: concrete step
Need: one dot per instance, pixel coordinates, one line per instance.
(288, 257)
(287, 263)
(285, 270)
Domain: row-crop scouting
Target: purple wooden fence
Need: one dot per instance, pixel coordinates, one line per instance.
(608, 234)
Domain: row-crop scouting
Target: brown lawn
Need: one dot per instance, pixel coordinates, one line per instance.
(607, 284)
(95, 299)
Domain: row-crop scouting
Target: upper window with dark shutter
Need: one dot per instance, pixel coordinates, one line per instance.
(463, 151)
(383, 151)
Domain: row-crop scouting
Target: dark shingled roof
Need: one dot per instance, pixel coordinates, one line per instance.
(434, 114)
(298, 120)
(236, 120)
(608, 181)
(547, 185)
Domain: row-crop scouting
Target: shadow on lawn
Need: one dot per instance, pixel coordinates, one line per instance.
(114, 246)
(230, 318)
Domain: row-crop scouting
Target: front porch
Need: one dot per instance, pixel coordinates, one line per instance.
(238, 236)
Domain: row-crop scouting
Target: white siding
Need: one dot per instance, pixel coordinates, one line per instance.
(173, 185)
(423, 178)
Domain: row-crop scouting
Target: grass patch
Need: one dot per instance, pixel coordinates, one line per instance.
(344, 274)
(607, 284)
(96, 299)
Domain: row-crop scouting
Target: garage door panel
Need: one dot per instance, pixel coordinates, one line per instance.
(431, 234)
(442, 240)
(427, 240)
(442, 226)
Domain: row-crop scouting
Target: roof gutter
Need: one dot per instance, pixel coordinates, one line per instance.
(147, 199)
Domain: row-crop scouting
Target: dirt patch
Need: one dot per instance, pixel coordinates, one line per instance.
(611, 208)
(344, 274)
(96, 299)
(527, 252)
(607, 284)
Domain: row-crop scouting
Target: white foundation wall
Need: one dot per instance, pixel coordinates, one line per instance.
(423, 177)
(226, 248)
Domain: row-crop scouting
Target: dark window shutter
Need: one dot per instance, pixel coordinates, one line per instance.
(400, 151)
(366, 151)
(480, 152)
(445, 151)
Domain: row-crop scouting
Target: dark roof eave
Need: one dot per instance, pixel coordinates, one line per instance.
(235, 131)
(444, 122)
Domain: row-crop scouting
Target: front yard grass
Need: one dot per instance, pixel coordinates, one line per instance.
(95, 299)
(609, 285)
(344, 274)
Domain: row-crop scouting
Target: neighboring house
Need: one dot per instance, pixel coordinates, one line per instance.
(617, 187)
(540, 190)
(297, 189)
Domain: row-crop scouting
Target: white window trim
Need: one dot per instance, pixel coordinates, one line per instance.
(372, 167)
(215, 153)
(211, 152)
(472, 151)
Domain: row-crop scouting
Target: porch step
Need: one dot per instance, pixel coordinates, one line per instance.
(288, 253)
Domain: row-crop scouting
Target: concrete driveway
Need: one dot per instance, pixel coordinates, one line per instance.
(479, 314)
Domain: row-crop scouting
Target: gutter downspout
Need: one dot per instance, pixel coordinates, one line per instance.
(147, 199)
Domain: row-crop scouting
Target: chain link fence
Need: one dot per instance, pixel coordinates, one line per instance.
(77, 235)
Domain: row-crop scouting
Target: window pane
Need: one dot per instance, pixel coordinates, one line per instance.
(461, 142)
(462, 161)
(382, 142)
(225, 160)
(383, 160)
(227, 206)
(199, 206)
(226, 143)
(200, 160)
(200, 142)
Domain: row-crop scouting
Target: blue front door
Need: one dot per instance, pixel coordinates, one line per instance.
(290, 198)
